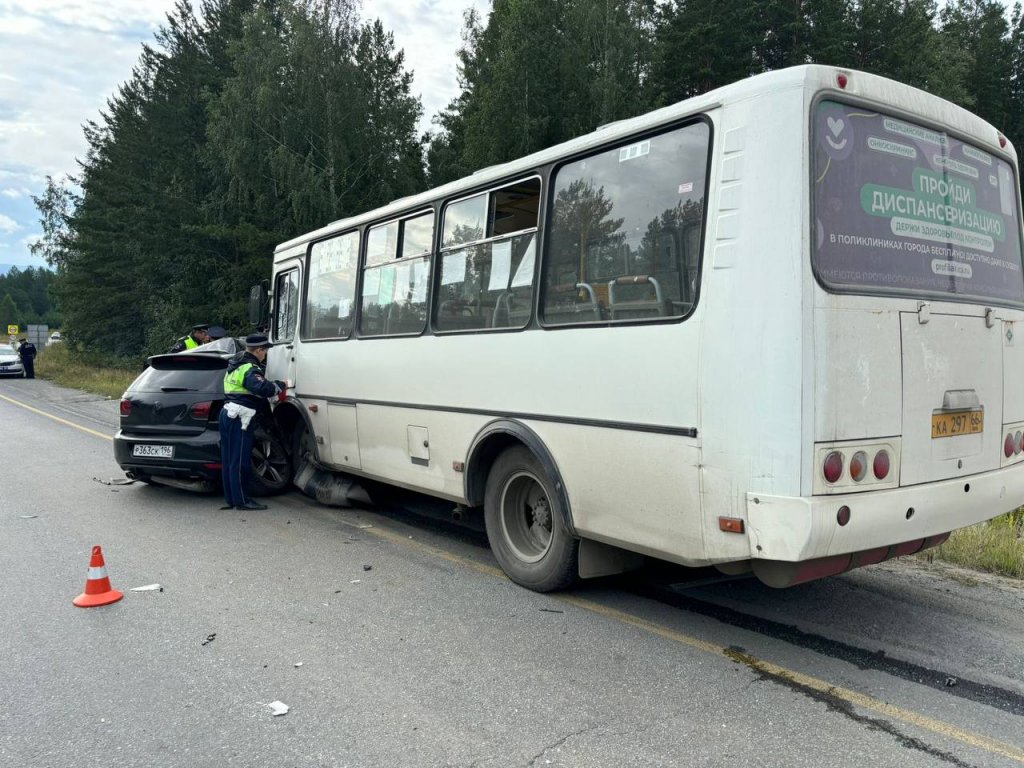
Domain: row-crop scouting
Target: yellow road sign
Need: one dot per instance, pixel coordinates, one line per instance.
(12, 330)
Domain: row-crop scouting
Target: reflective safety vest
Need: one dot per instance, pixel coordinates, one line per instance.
(234, 381)
(190, 343)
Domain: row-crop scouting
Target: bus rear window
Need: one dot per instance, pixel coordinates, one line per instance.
(903, 208)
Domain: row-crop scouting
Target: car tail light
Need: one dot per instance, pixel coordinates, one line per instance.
(833, 466)
(881, 464)
(126, 406)
(201, 411)
(859, 466)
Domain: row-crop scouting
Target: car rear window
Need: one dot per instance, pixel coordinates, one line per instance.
(179, 380)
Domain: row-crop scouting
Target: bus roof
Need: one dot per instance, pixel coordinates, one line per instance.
(812, 77)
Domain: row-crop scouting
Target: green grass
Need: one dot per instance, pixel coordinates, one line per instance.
(996, 546)
(62, 365)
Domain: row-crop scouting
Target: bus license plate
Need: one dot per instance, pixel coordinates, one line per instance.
(154, 451)
(955, 423)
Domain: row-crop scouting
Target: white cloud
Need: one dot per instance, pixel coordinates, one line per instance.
(61, 60)
(430, 33)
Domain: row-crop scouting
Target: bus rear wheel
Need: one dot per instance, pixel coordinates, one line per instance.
(525, 524)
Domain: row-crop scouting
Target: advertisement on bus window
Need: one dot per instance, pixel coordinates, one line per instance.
(910, 209)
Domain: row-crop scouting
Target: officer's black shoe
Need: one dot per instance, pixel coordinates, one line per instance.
(251, 505)
(228, 506)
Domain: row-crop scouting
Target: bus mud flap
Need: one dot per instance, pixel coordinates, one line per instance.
(597, 559)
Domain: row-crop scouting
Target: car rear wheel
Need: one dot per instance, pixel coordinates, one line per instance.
(271, 464)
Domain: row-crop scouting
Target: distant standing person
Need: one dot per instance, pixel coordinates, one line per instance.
(27, 353)
(245, 392)
(199, 335)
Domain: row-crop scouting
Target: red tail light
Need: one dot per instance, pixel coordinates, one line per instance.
(201, 411)
(1008, 446)
(126, 407)
(881, 465)
(833, 466)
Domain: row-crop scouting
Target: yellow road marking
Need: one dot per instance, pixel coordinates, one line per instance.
(765, 667)
(56, 418)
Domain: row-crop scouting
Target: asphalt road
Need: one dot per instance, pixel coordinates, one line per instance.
(432, 658)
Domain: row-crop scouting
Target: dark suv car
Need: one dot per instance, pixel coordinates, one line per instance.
(169, 427)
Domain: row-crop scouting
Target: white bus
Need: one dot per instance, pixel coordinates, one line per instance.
(770, 328)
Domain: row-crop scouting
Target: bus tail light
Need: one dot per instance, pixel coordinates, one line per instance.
(1002, 141)
(842, 80)
(833, 467)
(881, 464)
(859, 466)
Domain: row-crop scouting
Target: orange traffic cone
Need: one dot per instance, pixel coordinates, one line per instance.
(97, 586)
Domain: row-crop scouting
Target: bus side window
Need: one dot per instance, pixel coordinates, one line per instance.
(489, 284)
(396, 275)
(330, 294)
(625, 231)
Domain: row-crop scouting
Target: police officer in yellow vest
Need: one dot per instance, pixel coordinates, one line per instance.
(200, 335)
(245, 392)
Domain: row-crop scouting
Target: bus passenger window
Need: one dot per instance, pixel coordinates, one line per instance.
(489, 284)
(396, 276)
(330, 298)
(625, 233)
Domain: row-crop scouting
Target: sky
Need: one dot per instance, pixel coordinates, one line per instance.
(60, 60)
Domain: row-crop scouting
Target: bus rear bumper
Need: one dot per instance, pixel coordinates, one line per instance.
(794, 539)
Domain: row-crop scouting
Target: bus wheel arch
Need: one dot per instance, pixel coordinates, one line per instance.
(526, 509)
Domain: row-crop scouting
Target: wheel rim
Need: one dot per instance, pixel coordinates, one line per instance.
(268, 464)
(526, 521)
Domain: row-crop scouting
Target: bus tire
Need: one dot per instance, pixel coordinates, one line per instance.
(525, 524)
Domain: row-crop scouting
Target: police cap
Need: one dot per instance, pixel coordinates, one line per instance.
(256, 340)
(216, 332)
(200, 327)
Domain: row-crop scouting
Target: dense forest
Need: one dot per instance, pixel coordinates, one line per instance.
(248, 122)
(25, 298)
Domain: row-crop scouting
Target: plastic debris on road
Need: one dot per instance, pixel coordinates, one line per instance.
(278, 708)
(27, 517)
(115, 481)
(148, 588)
(298, 663)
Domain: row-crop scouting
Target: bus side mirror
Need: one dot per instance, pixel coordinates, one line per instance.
(259, 305)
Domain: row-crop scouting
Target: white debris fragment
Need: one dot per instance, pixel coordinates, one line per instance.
(298, 663)
(27, 517)
(355, 581)
(147, 588)
(278, 708)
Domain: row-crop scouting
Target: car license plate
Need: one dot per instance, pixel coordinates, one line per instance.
(955, 423)
(154, 451)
